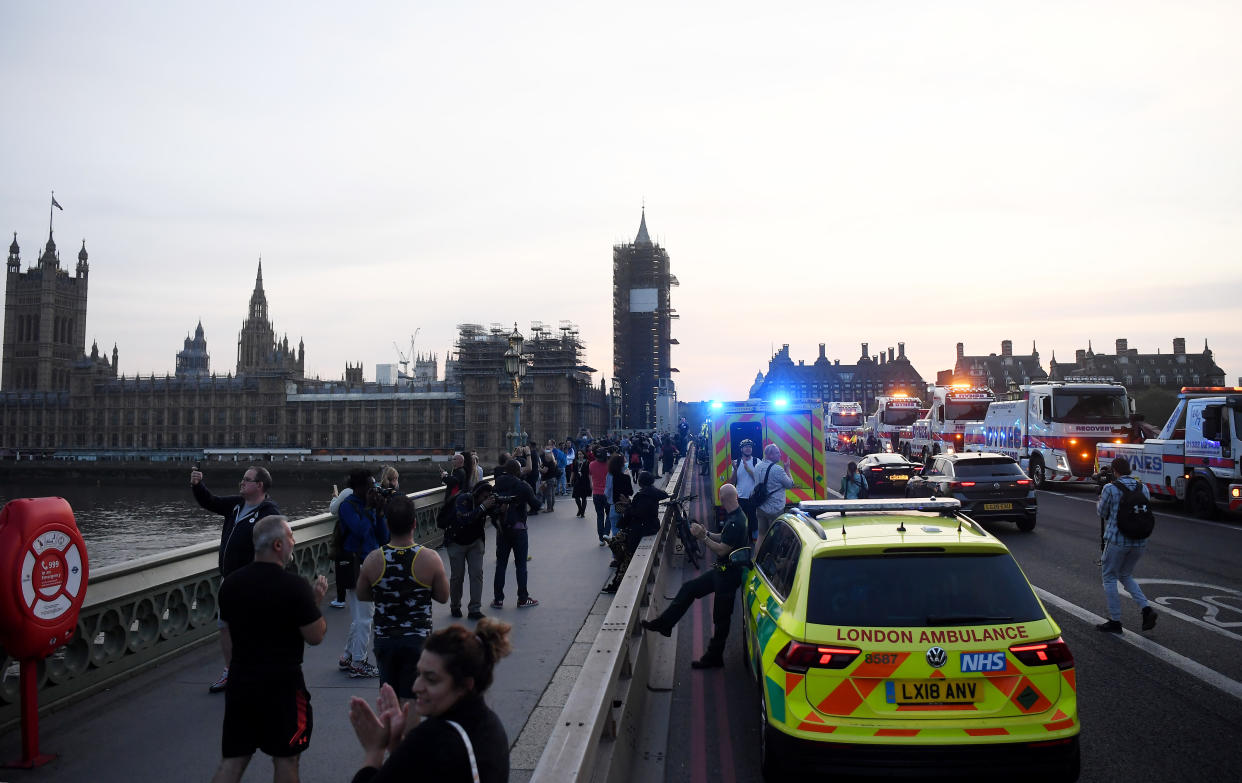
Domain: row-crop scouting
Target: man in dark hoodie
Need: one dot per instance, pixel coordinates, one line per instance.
(240, 513)
(516, 496)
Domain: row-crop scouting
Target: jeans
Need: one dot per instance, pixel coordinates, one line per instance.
(614, 519)
(548, 490)
(1118, 563)
(514, 541)
(397, 660)
(601, 515)
(560, 483)
(462, 557)
(724, 584)
(752, 521)
(358, 640)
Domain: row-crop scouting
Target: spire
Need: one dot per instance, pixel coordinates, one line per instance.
(82, 253)
(643, 238)
(15, 255)
(258, 299)
(198, 330)
(13, 248)
(258, 280)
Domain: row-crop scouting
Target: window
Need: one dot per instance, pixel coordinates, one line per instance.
(778, 558)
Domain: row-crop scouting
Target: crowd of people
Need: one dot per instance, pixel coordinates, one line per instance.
(430, 715)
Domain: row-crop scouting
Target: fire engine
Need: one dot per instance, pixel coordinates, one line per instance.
(1196, 457)
(797, 429)
(842, 422)
(1052, 428)
(941, 431)
(894, 419)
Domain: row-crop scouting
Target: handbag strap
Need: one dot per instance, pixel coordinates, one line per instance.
(474, 766)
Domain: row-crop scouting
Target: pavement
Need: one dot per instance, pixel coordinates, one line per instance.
(163, 725)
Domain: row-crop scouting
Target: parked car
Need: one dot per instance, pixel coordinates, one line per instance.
(887, 472)
(989, 486)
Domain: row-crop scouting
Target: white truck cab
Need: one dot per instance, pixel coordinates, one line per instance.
(842, 421)
(1052, 428)
(894, 419)
(943, 429)
(1196, 458)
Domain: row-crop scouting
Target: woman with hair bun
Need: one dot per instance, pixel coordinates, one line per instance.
(460, 738)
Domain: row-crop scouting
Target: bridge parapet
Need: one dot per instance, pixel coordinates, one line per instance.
(139, 613)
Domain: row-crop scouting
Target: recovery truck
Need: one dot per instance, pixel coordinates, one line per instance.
(1196, 457)
(942, 430)
(894, 419)
(1052, 428)
(842, 422)
(797, 430)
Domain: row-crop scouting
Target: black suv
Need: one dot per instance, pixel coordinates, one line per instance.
(989, 486)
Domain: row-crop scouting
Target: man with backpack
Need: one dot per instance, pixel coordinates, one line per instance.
(1125, 507)
(465, 540)
(769, 492)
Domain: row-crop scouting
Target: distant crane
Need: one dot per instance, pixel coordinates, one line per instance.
(406, 358)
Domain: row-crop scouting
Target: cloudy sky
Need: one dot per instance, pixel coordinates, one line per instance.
(836, 172)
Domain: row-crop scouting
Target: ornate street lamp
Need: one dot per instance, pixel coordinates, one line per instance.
(515, 368)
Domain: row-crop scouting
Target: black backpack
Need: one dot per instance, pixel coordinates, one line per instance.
(760, 492)
(1134, 517)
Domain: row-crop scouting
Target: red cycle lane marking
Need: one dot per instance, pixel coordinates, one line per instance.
(698, 709)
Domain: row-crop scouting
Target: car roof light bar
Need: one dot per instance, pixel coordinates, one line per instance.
(940, 505)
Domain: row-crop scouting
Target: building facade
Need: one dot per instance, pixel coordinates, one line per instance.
(269, 405)
(1143, 370)
(996, 371)
(44, 320)
(824, 381)
(642, 337)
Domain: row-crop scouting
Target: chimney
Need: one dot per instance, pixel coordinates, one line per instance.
(1080, 356)
(1006, 347)
(836, 362)
(1121, 346)
(865, 354)
(961, 350)
(1179, 345)
(901, 350)
(821, 351)
(881, 357)
(890, 354)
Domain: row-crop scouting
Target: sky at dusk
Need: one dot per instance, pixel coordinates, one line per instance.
(835, 172)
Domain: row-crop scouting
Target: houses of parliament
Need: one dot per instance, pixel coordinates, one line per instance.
(56, 399)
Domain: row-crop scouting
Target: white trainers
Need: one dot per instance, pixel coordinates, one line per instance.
(363, 669)
(337, 604)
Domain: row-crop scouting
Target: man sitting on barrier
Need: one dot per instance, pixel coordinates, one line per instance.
(723, 579)
(642, 519)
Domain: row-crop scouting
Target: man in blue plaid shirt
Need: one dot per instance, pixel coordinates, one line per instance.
(1121, 554)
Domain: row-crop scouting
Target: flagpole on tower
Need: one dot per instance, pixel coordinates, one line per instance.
(50, 213)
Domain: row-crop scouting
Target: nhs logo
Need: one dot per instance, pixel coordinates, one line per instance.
(983, 662)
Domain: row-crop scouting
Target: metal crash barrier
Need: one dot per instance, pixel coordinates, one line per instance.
(596, 735)
(142, 612)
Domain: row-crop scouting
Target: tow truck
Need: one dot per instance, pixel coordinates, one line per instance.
(942, 430)
(797, 429)
(842, 422)
(894, 419)
(1197, 455)
(1052, 428)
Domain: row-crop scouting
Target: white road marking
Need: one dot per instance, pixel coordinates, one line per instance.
(1209, 603)
(1222, 525)
(1191, 667)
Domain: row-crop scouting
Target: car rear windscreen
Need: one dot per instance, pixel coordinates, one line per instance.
(920, 590)
(986, 469)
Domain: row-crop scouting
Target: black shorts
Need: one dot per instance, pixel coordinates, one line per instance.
(273, 717)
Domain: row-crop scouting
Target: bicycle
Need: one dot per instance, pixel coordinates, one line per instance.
(681, 521)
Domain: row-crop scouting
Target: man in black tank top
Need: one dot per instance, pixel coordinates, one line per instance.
(402, 578)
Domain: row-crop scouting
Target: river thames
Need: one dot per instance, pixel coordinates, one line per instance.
(124, 522)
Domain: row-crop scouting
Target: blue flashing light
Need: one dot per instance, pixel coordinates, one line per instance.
(780, 402)
(717, 405)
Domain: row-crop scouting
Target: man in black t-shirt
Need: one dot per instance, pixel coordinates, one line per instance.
(723, 579)
(270, 613)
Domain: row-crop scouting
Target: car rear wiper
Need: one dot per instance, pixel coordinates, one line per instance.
(965, 619)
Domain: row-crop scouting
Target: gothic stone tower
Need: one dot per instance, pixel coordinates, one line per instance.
(257, 347)
(44, 320)
(641, 327)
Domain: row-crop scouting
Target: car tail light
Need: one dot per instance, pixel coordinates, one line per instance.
(876, 470)
(798, 657)
(1022, 482)
(1044, 654)
(961, 485)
